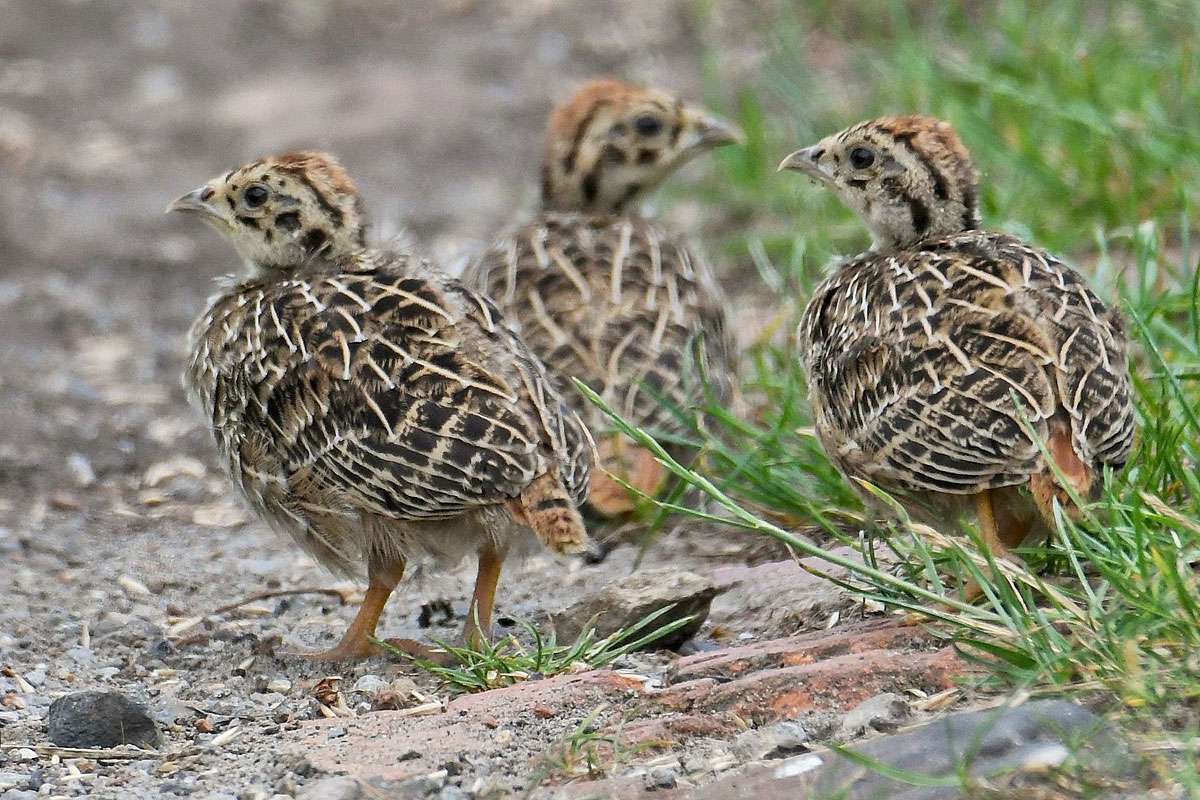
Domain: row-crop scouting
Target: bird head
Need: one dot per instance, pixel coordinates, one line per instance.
(908, 178)
(612, 142)
(283, 211)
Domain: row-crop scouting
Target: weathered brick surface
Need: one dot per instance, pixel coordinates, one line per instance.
(473, 728)
(708, 697)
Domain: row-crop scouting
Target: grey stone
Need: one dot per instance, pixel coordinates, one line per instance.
(1025, 740)
(110, 622)
(661, 778)
(81, 470)
(340, 787)
(782, 593)
(169, 710)
(20, 794)
(13, 780)
(126, 629)
(883, 712)
(83, 656)
(627, 601)
(369, 684)
(100, 719)
(777, 740)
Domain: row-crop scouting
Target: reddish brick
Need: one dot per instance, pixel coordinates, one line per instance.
(836, 683)
(802, 649)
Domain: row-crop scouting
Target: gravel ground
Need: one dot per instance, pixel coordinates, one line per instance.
(120, 544)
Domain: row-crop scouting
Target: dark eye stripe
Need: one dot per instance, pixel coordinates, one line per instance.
(920, 214)
(329, 208)
(677, 128)
(939, 180)
(970, 202)
(577, 139)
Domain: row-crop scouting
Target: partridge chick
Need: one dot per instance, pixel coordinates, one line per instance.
(374, 409)
(927, 355)
(604, 295)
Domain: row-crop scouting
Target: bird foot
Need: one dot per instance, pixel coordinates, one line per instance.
(343, 651)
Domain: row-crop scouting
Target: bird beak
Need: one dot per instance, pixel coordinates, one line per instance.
(191, 203)
(711, 131)
(808, 161)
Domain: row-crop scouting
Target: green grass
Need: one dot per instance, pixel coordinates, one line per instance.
(1084, 121)
(590, 751)
(492, 665)
(1082, 116)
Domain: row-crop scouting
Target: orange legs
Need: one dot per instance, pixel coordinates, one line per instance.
(354, 643)
(985, 515)
(479, 615)
(1000, 531)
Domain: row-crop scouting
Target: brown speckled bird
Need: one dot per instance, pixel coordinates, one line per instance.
(373, 408)
(600, 293)
(927, 355)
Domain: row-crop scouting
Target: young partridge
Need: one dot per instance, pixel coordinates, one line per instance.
(604, 295)
(374, 409)
(942, 359)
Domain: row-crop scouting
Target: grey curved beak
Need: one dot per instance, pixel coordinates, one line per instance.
(192, 203)
(715, 132)
(704, 131)
(808, 161)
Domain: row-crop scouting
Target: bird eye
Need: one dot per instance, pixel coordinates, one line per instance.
(647, 125)
(861, 158)
(255, 195)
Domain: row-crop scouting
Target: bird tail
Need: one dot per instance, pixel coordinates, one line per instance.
(632, 464)
(1045, 486)
(546, 507)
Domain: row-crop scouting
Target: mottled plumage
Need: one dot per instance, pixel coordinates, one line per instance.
(604, 295)
(375, 409)
(932, 356)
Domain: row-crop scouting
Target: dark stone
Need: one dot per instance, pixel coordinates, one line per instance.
(626, 602)
(101, 719)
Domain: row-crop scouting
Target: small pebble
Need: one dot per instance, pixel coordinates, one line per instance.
(81, 470)
(661, 778)
(12, 780)
(280, 685)
(369, 684)
(82, 656)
